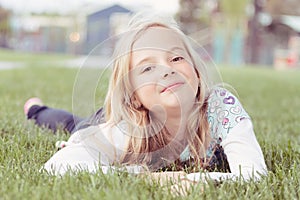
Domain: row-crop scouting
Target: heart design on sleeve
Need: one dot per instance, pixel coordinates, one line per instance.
(239, 118)
(222, 114)
(236, 110)
(229, 100)
(225, 123)
(210, 121)
(214, 106)
(223, 92)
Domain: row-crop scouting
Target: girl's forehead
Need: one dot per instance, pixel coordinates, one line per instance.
(158, 38)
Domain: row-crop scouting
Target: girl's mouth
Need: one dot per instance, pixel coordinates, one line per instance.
(172, 87)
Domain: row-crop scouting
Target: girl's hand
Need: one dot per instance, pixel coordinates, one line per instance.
(168, 177)
(180, 185)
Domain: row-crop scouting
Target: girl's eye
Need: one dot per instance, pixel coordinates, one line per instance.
(147, 69)
(176, 59)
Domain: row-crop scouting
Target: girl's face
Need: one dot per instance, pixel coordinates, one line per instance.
(161, 72)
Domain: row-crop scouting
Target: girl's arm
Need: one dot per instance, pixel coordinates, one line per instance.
(243, 153)
(88, 149)
(177, 181)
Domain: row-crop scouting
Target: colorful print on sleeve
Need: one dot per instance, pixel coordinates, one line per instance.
(224, 112)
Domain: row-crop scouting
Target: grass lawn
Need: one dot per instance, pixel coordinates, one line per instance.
(272, 98)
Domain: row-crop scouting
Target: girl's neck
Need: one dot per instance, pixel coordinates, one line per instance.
(177, 127)
(175, 120)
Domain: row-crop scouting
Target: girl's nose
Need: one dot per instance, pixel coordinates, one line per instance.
(168, 73)
(166, 69)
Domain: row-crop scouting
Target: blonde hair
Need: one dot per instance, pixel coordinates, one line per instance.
(149, 142)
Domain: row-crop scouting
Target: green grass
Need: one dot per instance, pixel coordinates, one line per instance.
(20, 56)
(271, 98)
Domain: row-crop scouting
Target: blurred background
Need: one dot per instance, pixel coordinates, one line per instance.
(234, 32)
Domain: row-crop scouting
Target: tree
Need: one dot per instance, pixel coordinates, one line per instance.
(254, 35)
(189, 15)
(4, 27)
(279, 7)
(232, 28)
(227, 20)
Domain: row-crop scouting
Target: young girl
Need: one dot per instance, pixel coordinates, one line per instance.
(160, 113)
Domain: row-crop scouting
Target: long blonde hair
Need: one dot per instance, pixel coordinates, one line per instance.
(149, 142)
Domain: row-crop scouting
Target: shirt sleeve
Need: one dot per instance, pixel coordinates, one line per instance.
(244, 156)
(88, 149)
(224, 112)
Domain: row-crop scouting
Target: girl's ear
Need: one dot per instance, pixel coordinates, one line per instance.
(198, 74)
(135, 102)
(198, 89)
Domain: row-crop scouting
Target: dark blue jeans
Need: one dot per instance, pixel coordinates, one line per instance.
(55, 119)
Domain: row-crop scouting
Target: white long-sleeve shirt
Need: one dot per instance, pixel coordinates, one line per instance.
(243, 152)
(97, 147)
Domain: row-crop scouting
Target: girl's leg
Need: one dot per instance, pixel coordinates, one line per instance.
(53, 118)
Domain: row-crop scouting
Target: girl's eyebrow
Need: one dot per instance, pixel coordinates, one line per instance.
(151, 58)
(145, 60)
(176, 48)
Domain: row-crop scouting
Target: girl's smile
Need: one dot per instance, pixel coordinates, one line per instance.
(172, 87)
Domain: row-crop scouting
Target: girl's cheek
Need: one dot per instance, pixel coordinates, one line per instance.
(145, 91)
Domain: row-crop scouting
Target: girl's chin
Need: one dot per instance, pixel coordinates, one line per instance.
(178, 100)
